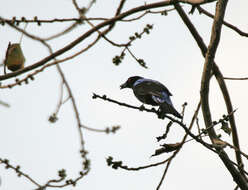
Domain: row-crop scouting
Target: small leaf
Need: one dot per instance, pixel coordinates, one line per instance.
(172, 147)
(219, 142)
(225, 128)
(158, 152)
(167, 148)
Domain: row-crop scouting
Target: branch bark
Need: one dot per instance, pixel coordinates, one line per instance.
(219, 78)
(95, 29)
(84, 36)
(208, 65)
(239, 179)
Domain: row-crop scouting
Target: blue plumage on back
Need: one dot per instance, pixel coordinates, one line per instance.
(153, 93)
(165, 98)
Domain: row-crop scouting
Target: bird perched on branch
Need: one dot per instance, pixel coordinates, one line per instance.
(153, 93)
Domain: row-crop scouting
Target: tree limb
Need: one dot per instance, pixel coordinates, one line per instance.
(223, 87)
(110, 22)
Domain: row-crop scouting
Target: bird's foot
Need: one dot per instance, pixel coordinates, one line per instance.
(153, 109)
(160, 114)
(142, 107)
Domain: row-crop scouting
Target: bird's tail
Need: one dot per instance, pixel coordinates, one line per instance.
(167, 108)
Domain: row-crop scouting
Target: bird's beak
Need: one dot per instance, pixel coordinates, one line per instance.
(123, 86)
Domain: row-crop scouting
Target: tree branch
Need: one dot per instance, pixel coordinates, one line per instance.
(236, 29)
(208, 65)
(96, 28)
(231, 78)
(223, 87)
(18, 171)
(182, 142)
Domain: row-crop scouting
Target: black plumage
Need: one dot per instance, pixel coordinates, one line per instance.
(153, 93)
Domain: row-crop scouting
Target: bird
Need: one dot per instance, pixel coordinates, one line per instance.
(153, 93)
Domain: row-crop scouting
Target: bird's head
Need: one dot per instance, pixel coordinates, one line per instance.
(130, 81)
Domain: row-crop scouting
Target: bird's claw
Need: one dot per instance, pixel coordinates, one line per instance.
(160, 114)
(142, 107)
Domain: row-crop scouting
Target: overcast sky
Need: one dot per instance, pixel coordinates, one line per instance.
(173, 57)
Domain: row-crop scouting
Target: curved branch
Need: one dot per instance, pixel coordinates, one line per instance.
(31, 75)
(218, 75)
(182, 142)
(224, 90)
(83, 37)
(96, 28)
(208, 65)
(18, 171)
(231, 78)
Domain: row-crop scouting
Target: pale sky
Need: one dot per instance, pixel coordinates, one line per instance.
(173, 57)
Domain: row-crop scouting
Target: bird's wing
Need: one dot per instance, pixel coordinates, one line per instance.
(157, 90)
(164, 99)
(144, 86)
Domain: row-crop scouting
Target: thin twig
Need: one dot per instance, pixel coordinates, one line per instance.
(14, 20)
(83, 152)
(60, 102)
(187, 131)
(18, 171)
(25, 27)
(182, 142)
(236, 29)
(104, 97)
(211, 147)
(70, 28)
(236, 149)
(4, 104)
(31, 76)
(84, 36)
(143, 65)
(231, 78)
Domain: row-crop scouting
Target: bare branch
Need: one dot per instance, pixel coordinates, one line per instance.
(88, 33)
(182, 142)
(104, 97)
(18, 171)
(219, 78)
(31, 76)
(231, 78)
(196, 2)
(236, 29)
(4, 104)
(208, 65)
